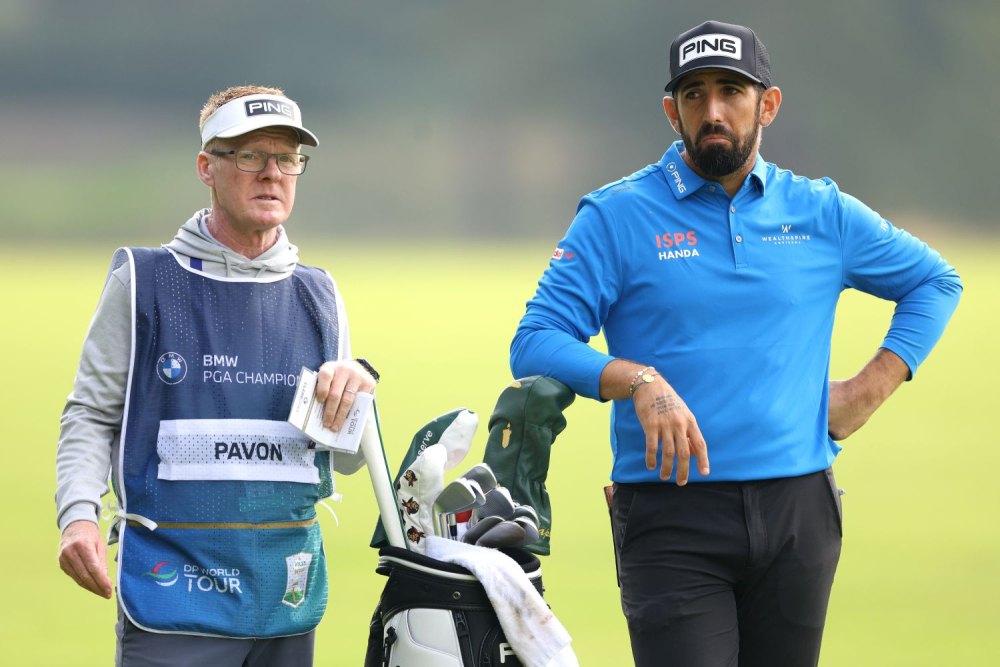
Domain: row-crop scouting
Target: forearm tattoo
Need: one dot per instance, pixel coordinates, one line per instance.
(665, 404)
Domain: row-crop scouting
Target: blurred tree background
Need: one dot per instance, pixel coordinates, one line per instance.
(473, 120)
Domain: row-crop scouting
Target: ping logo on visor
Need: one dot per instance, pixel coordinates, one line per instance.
(259, 107)
(703, 46)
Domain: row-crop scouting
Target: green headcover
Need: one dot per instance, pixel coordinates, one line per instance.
(524, 424)
(454, 430)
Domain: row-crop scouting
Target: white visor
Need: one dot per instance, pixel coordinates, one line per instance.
(246, 114)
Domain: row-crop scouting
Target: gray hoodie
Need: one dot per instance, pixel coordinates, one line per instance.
(92, 419)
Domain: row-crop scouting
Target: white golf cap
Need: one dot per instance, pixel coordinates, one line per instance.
(252, 112)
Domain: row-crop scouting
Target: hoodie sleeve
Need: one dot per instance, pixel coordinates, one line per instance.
(91, 421)
(345, 464)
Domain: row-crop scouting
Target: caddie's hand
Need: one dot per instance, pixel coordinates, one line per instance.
(667, 422)
(337, 384)
(83, 556)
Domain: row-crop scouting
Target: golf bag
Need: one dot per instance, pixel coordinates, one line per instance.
(435, 614)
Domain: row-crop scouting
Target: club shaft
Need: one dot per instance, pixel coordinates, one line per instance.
(378, 471)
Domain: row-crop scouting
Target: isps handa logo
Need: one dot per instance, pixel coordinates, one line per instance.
(171, 368)
(677, 245)
(163, 574)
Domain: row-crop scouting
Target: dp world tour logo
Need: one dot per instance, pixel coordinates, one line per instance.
(171, 368)
(163, 574)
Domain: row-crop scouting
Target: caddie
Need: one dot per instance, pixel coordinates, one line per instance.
(183, 388)
(715, 277)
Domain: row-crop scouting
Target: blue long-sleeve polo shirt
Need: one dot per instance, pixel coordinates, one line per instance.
(733, 301)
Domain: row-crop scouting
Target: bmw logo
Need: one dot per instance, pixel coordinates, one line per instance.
(171, 368)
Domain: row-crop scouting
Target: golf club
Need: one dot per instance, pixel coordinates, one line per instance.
(476, 489)
(504, 534)
(525, 511)
(498, 503)
(457, 496)
(530, 531)
(483, 474)
(477, 531)
(453, 518)
(378, 470)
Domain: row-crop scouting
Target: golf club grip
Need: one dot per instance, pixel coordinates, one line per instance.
(378, 471)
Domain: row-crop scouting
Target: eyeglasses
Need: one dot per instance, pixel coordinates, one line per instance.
(292, 164)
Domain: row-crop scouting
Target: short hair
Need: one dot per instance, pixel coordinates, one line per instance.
(228, 95)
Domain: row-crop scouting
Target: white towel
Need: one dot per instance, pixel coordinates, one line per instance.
(535, 634)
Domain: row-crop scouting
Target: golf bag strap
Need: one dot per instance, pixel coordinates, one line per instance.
(374, 656)
(464, 635)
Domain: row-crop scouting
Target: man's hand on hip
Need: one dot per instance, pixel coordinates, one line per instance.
(854, 401)
(664, 418)
(83, 556)
(337, 384)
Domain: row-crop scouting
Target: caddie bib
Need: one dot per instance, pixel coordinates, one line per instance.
(205, 451)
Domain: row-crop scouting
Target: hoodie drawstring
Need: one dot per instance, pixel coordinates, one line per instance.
(117, 515)
(337, 498)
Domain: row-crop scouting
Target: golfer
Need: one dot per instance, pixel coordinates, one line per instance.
(715, 276)
(184, 384)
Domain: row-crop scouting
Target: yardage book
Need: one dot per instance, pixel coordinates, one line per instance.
(307, 416)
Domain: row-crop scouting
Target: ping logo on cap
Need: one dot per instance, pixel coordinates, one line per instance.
(702, 46)
(258, 107)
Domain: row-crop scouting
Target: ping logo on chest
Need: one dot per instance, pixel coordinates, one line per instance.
(703, 46)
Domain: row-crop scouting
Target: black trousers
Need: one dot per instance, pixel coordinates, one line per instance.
(720, 574)
(138, 648)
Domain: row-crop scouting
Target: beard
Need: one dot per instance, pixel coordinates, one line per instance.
(717, 160)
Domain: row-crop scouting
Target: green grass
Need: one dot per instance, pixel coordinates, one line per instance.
(917, 583)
